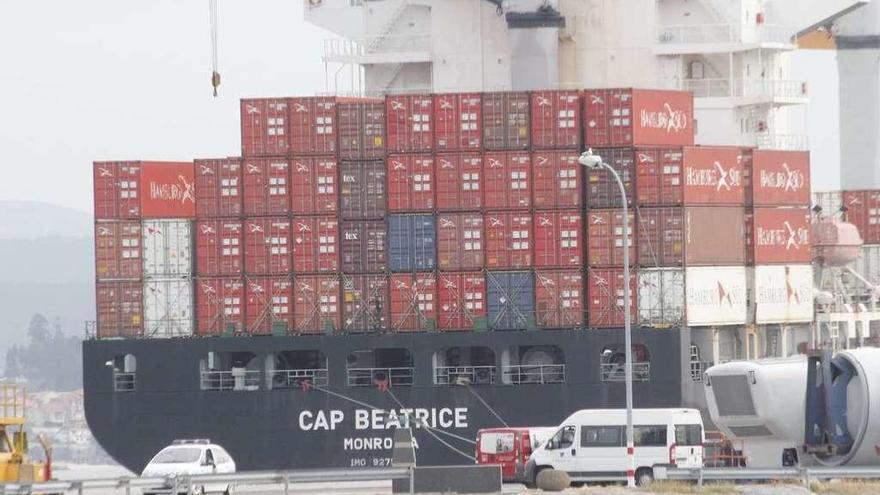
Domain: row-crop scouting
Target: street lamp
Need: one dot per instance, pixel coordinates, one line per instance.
(593, 161)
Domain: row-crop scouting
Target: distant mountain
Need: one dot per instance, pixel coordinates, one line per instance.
(32, 220)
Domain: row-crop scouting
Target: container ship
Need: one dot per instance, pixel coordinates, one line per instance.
(439, 259)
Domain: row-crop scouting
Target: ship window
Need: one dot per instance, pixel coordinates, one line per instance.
(124, 367)
(380, 368)
(535, 364)
(237, 370)
(296, 369)
(612, 362)
(464, 366)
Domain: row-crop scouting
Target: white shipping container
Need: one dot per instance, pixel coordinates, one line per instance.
(168, 308)
(868, 266)
(167, 248)
(715, 296)
(781, 293)
(661, 297)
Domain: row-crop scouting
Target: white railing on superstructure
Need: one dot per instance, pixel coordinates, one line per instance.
(370, 377)
(746, 88)
(721, 33)
(294, 378)
(353, 50)
(476, 375)
(614, 372)
(247, 380)
(787, 142)
(542, 373)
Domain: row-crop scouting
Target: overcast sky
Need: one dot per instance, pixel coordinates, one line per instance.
(117, 79)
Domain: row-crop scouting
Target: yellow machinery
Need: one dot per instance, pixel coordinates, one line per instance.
(14, 464)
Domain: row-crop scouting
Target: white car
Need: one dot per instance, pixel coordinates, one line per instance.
(190, 457)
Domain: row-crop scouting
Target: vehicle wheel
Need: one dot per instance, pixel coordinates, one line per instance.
(644, 476)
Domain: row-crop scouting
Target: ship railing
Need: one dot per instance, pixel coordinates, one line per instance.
(471, 375)
(294, 378)
(91, 330)
(370, 377)
(722, 33)
(541, 374)
(231, 380)
(786, 142)
(123, 382)
(351, 50)
(615, 372)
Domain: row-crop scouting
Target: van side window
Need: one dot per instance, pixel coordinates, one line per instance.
(691, 435)
(601, 436)
(650, 436)
(209, 457)
(563, 438)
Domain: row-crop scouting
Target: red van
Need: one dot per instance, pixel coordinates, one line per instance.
(511, 448)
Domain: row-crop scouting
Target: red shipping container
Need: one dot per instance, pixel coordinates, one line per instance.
(462, 301)
(713, 176)
(460, 241)
(556, 179)
(602, 188)
(265, 127)
(558, 239)
(317, 308)
(267, 246)
(361, 129)
(366, 306)
(219, 247)
(638, 117)
(168, 190)
(409, 122)
(605, 290)
(605, 238)
(691, 236)
(556, 119)
(313, 186)
(413, 302)
(266, 186)
(508, 240)
(559, 299)
(117, 188)
(459, 181)
(363, 190)
(778, 235)
(218, 188)
(458, 122)
(269, 306)
(506, 120)
(410, 183)
(220, 305)
(315, 244)
(120, 309)
(661, 236)
(658, 176)
(863, 211)
(118, 250)
(779, 178)
(313, 125)
(508, 180)
(364, 246)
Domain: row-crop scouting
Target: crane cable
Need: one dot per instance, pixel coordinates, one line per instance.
(213, 15)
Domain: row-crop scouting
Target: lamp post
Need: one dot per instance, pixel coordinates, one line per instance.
(592, 161)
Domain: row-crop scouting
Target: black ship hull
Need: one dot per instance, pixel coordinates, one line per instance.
(334, 425)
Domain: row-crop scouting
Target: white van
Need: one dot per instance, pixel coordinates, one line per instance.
(591, 444)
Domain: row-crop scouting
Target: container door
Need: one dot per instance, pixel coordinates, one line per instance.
(563, 450)
(688, 445)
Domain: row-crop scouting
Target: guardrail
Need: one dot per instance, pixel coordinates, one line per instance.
(185, 484)
(805, 474)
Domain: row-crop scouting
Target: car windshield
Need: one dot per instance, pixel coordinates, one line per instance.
(178, 455)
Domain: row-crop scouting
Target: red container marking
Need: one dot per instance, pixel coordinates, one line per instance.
(363, 190)
(366, 306)
(413, 302)
(118, 250)
(266, 186)
(557, 179)
(459, 181)
(316, 245)
(559, 299)
(219, 188)
(219, 247)
(265, 127)
(361, 129)
(779, 178)
(713, 176)
(317, 308)
(602, 189)
(462, 301)
(410, 183)
(409, 123)
(605, 238)
(120, 309)
(659, 176)
(313, 186)
(508, 240)
(364, 246)
(458, 121)
(636, 117)
(220, 305)
(556, 119)
(778, 235)
(508, 179)
(267, 246)
(313, 125)
(269, 306)
(558, 239)
(506, 121)
(117, 187)
(605, 290)
(460, 241)
(168, 190)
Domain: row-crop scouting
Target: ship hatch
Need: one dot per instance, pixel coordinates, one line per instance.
(464, 366)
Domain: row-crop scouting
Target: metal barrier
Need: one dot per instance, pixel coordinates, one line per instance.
(368, 377)
(615, 372)
(805, 474)
(230, 380)
(477, 375)
(293, 378)
(543, 373)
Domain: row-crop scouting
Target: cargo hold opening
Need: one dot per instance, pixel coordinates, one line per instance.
(539, 364)
(380, 367)
(236, 370)
(296, 369)
(612, 363)
(464, 366)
